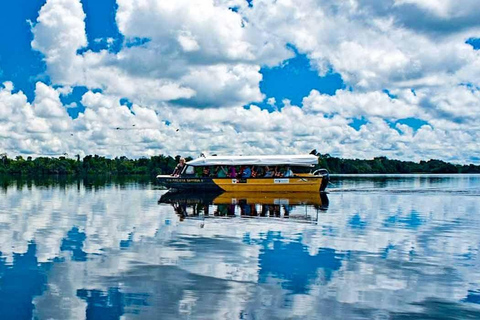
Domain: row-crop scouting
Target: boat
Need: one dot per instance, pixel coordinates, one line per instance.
(200, 174)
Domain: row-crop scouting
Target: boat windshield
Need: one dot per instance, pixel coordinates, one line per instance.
(189, 170)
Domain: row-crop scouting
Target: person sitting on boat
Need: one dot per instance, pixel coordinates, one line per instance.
(268, 172)
(277, 173)
(258, 172)
(206, 172)
(232, 172)
(179, 168)
(288, 172)
(221, 172)
(240, 172)
(254, 172)
(247, 172)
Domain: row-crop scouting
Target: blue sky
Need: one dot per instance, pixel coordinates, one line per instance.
(100, 24)
(18, 62)
(370, 85)
(295, 78)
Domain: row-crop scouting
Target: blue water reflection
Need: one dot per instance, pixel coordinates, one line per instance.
(74, 243)
(20, 281)
(291, 262)
(111, 304)
(380, 247)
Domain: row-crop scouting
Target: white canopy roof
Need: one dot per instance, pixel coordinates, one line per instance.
(291, 160)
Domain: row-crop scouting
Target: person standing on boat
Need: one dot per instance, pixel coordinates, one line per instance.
(179, 168)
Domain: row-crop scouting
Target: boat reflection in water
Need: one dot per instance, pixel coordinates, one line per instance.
(301, 206)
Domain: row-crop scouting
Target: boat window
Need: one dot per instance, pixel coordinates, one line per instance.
(189, 170)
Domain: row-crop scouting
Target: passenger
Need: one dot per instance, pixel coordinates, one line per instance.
(288, 172)
(247, 172)
(179, 168)
(254, 172)
(268, 172)
(206, 172)
(258, 172)
(221, 172)
(232, 172)
(240, 172)
(277, 173)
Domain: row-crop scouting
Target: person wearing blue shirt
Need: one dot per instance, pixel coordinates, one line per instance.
(247, 172)
(268, 172)
(288, 172)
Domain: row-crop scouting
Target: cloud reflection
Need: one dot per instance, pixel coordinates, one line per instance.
(72, 250)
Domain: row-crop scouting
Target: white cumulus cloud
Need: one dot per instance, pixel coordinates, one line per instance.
(194, 65)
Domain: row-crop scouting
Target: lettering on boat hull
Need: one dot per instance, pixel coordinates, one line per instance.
(184, 180)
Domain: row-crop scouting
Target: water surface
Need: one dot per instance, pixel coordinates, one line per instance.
(387, 247)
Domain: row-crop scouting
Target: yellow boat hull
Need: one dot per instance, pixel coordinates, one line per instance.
(293, 184)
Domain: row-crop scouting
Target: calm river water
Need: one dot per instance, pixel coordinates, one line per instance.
(380, 247)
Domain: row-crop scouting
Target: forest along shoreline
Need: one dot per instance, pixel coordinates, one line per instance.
(162, 164)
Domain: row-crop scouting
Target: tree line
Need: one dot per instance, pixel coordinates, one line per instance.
(89, 165)
(94, 165)
(385, 165)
